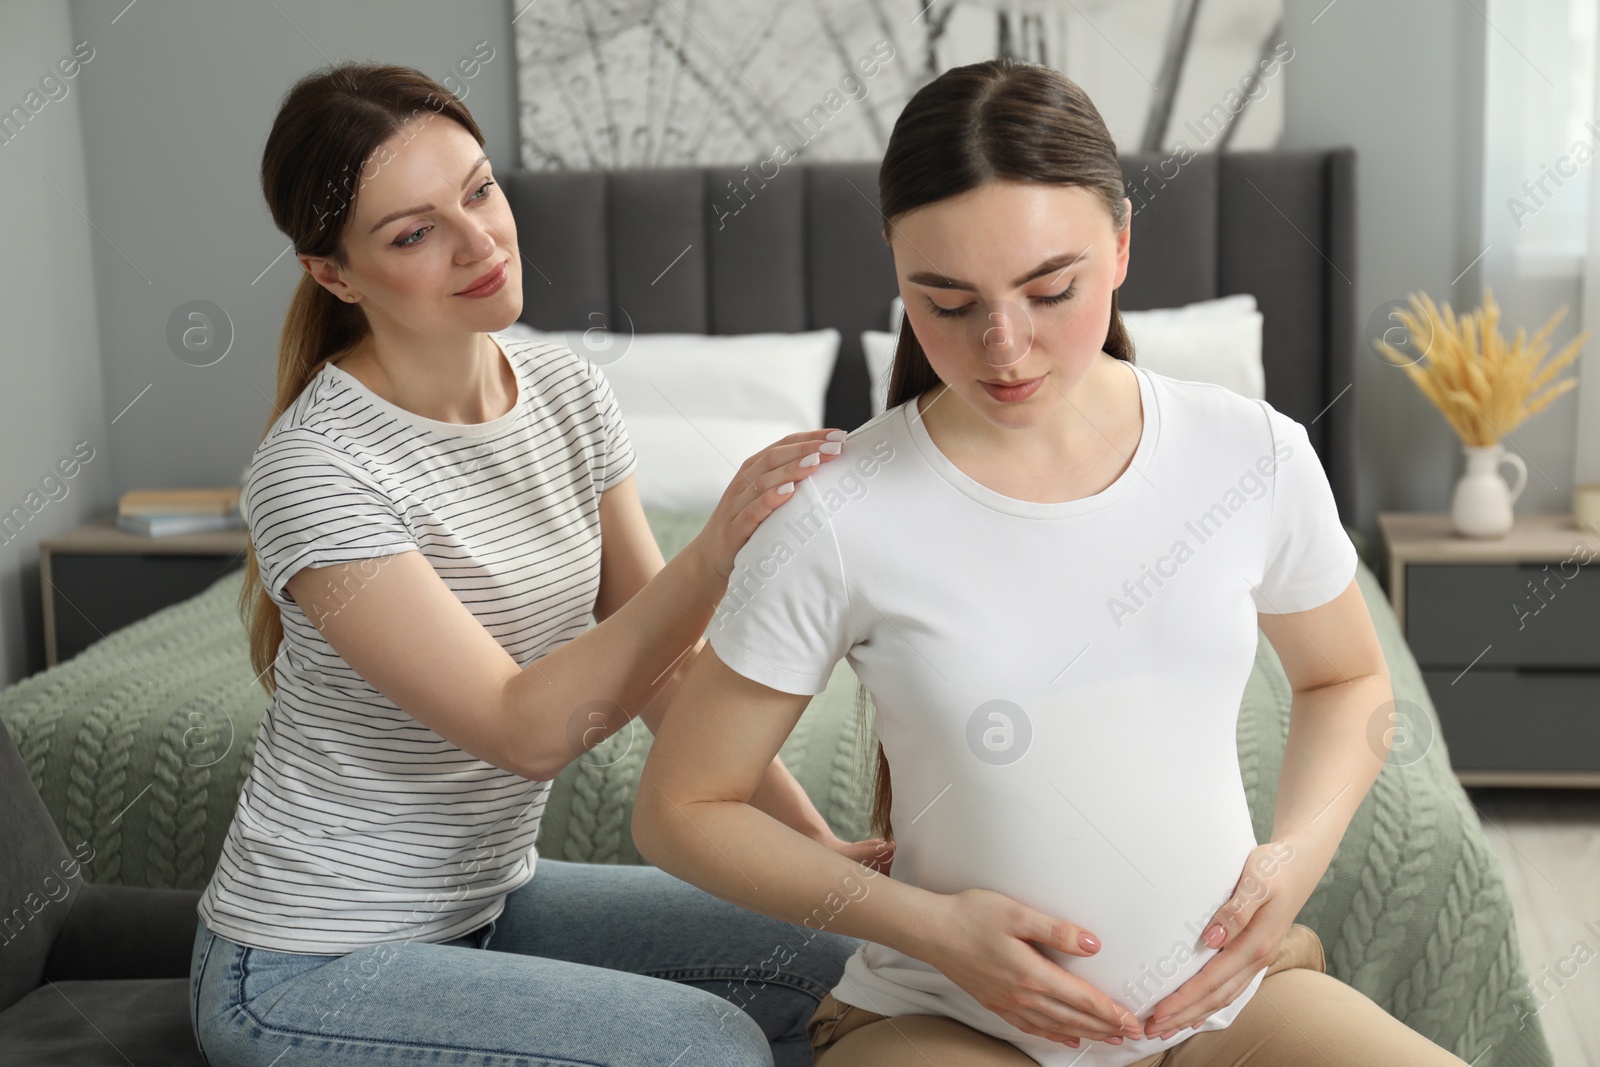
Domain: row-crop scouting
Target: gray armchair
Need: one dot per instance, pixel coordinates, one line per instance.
(89, 974)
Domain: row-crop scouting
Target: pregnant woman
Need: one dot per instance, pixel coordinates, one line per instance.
(434, 515)
(1048, 566)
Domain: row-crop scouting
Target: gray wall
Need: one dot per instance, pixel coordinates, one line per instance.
(159, 141)
(159, 144)
(1403, 83)
(50, 371)
(176, 109)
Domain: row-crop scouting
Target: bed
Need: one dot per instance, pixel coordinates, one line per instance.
(142, 742)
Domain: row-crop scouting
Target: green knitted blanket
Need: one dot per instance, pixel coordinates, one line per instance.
(141, 743)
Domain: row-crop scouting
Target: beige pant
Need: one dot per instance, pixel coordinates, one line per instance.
(1299, 1015)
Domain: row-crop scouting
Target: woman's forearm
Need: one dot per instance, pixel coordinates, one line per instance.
(567, 701)
(740, 854)
(1329, 763)
(783, 798)
(778, 793)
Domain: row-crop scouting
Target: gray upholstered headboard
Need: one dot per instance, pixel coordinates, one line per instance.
(719, 250)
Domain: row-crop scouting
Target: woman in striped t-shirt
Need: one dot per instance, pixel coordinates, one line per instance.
(434, 515)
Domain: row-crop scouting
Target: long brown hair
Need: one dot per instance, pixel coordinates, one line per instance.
(329, 126)
(1000, 119)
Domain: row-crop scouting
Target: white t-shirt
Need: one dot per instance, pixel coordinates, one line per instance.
(1057, 685)
(359, 825)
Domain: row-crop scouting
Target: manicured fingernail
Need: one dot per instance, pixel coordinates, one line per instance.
(1113, 1040)
(811, 460)
(1089, 942)
(837, 435)
(1213, 934)
(832, 447)
(786, 488)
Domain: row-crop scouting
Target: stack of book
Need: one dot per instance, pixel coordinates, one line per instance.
(163, 512)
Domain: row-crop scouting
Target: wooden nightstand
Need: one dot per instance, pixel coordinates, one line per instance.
(1507, 633)
(97, 578)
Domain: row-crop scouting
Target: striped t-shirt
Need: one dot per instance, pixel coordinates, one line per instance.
(359, 825)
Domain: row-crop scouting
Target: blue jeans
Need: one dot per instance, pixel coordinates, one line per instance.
(570, 973)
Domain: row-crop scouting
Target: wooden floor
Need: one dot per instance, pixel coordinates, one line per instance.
(1548, 843)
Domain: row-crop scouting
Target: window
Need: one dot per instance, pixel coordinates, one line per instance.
(1541, 139)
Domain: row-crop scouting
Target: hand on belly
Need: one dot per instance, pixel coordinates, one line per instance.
(986, 946)
(1246, 932)
(1146, 900)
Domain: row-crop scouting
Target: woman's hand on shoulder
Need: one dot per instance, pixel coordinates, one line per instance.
(981, 941)
(753, 493)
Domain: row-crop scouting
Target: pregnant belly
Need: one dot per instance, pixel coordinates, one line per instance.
(1143, 868)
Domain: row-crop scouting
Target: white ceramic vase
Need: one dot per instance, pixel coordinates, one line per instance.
(1481, 505)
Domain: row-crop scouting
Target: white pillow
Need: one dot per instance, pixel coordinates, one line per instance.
(879, 347)
(686, 466)
(776, 383)
(1216, 341)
